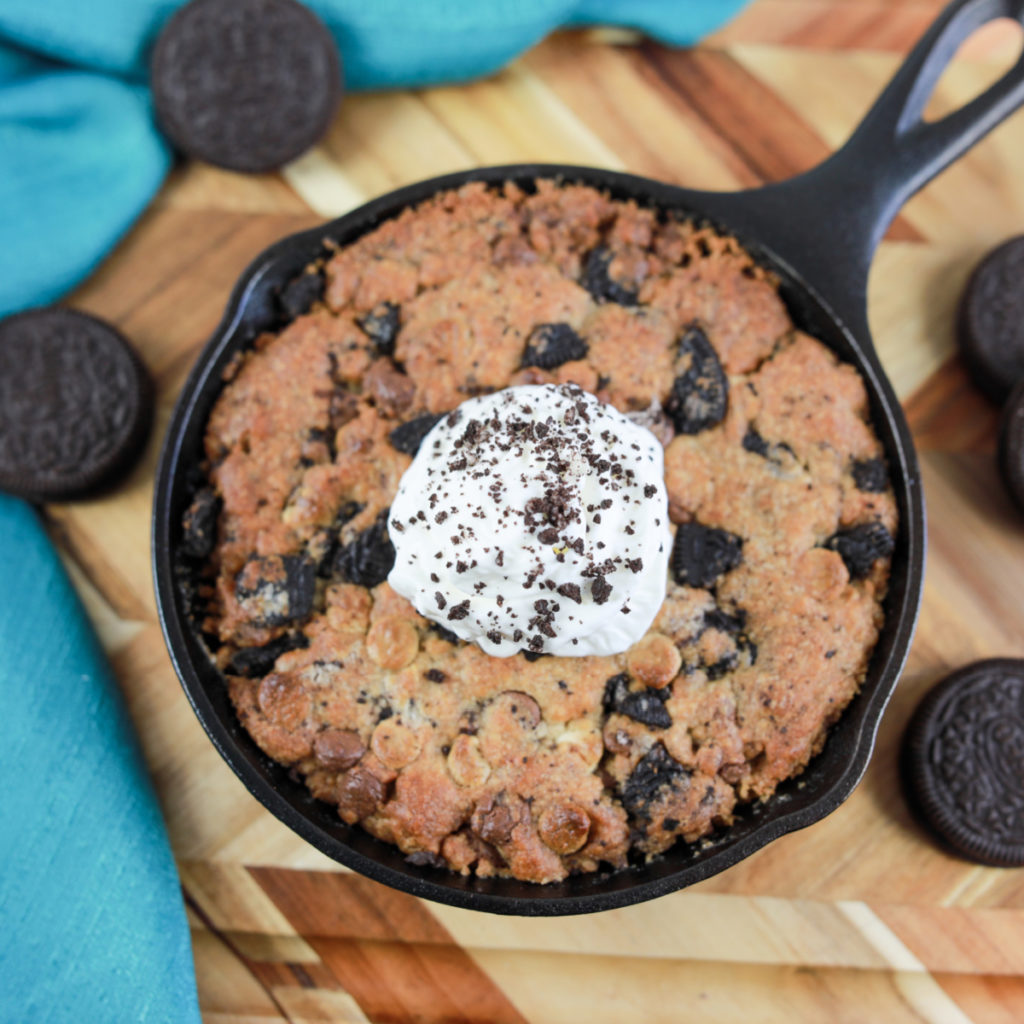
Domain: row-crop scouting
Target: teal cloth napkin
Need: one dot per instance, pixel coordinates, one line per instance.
(80, 155)
(94, 929)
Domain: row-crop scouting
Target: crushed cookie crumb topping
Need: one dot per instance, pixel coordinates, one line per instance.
(533, 491)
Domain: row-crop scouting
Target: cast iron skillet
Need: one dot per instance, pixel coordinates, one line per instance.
(818, 233)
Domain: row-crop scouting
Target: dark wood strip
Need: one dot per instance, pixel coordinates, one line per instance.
(409, 983)
(386, 949)
(947, 413)
(985, 998)
(343, 906)
(881, 25)
(769, 140)
(277, 974)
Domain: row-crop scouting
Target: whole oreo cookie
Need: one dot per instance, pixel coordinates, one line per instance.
(963, 761)
(1011, 446)
(76, 404)
(991, 328)
(245, 84)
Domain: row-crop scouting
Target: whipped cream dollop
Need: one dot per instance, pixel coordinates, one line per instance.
(535, 519)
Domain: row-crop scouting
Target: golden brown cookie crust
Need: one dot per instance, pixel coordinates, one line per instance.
(539, 767)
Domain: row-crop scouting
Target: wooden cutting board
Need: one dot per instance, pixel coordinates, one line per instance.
(857, 918)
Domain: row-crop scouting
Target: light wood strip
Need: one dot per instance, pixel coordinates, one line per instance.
(316, 1006)
(864, 24)
(317, 177)
(230, 898)
(955, 939)
(684, 926)
(394, 139)
(198, 186)
(114, 632)
(913, 325)
(603, 990)
(516, 117)
(610, 89)
(273, 949)
(987, 1000)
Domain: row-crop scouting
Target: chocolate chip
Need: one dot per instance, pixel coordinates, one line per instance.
(700, 394)
(338, 749)
(199, 524)
(534, 655)
(496, 816)
(861, 546)
(551, 345)
(524, 707)
(359, 794)
(435, 675)
(409, 436)
(342, 408)
(381, 327)
(564, 828)
(426, 859)
(655, 772)
(258, 661)
(367, 559)
(276, 589)
(597, 280)
(299, 294)
(701, 554)
(870, 475)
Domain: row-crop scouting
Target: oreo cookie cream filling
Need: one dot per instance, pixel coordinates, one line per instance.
(535, 519)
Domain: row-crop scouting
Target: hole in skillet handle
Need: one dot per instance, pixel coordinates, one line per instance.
(825, 224)
(984, 57)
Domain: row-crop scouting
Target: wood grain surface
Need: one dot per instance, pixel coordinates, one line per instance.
(858, 918)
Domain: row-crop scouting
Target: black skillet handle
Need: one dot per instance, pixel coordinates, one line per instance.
(827, 223)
